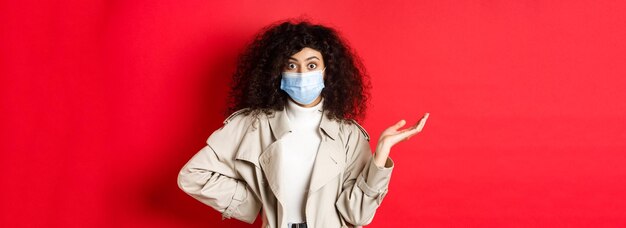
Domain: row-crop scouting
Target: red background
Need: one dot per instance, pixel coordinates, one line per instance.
(102, 103)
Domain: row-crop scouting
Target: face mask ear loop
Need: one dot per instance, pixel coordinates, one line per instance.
(324, 74)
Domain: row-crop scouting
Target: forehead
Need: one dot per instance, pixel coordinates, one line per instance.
(306, 53)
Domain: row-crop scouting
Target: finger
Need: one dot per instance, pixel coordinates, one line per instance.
(423, 118)
(406, 134)
(412, 128)
(422, 122)
(397, 126)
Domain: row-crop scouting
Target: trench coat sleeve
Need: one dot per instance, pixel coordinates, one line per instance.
(365, 184)
(210, 176)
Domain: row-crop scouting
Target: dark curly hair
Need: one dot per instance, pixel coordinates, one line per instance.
(256, 81)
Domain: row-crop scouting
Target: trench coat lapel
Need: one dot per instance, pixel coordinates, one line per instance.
(327, 162)
(279, 125)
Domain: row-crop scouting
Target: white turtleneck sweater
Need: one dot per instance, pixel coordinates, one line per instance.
(299, 151)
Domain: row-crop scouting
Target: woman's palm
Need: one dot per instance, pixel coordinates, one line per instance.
(392, 135)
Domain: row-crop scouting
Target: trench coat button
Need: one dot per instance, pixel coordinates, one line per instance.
(255, 125)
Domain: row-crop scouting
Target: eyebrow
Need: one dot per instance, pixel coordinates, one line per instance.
(307, 59)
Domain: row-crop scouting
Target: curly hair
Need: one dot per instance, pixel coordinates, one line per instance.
(256, 82)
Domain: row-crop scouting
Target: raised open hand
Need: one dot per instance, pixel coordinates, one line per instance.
(392, 135)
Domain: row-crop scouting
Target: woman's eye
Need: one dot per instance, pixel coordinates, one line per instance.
(291, 66)
(312, 65)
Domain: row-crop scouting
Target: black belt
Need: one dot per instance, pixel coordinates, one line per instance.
(298, 225)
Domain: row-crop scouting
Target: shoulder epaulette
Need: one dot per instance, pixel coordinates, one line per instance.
(236, 113)
(367, 136)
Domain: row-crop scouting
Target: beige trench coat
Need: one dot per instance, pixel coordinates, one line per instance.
(235, 173)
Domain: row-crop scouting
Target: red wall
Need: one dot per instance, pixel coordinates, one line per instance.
(102, 102)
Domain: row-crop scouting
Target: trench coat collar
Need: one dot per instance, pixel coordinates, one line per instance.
(280, 124)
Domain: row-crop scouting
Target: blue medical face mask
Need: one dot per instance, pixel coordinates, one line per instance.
(303, 87)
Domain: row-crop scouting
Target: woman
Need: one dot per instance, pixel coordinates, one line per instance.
(291, 147)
